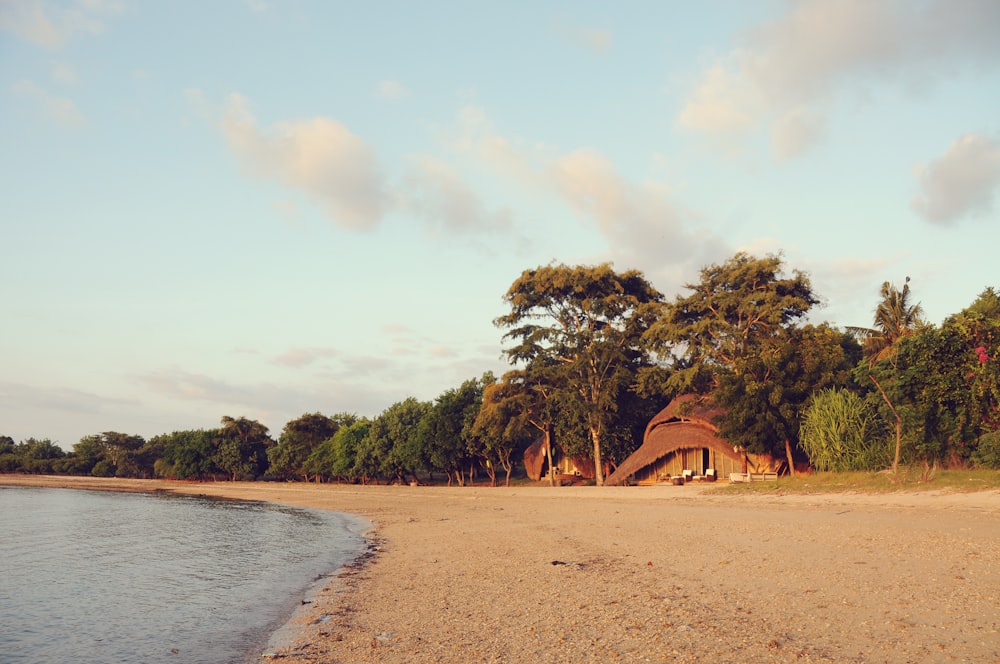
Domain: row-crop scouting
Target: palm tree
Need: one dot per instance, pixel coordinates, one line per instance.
(895, 318)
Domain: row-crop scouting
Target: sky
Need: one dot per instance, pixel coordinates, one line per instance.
(266, 208)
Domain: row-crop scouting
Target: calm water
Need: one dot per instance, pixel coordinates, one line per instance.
(106, 577)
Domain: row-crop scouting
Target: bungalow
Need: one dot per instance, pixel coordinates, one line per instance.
(683, 437)
(567, 468)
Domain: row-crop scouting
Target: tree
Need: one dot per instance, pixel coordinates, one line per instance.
(945, 381)
(734, 334)
(337, 456)
(737, 309)
(580, 330)
(37, 455)
(504, 422)
(297, 441)
(187, 455)
(242, 448)
(393, 447)
(447, 436)
(895, 319)
(765, 397)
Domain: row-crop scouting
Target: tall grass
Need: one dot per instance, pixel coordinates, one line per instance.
(842, 432)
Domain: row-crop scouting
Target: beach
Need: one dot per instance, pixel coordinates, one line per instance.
(659, 574)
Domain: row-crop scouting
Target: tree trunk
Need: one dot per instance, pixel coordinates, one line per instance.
(788, 453)
(595, 435)
(899, 423)
(548, 454)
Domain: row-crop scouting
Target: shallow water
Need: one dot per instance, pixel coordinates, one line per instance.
(91, 576)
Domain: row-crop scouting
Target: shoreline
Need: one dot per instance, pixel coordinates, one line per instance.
(641, 573)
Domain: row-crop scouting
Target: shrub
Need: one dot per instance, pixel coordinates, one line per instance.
(988, 450)
(841, 432)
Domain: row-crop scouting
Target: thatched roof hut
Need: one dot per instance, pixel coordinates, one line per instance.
(680, 437)
(535, 465)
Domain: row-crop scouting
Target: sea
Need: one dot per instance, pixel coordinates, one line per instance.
(91, 576)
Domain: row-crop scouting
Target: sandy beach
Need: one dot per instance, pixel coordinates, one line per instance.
(658, 574)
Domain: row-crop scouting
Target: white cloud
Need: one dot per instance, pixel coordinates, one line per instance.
(340, 171)
(794, 133)
(960, 183)
(319, 156)
(301, 357)
(60, 110)
(436, 192)
(645, 228)
(786, 72)
(593, 39)
(64, 74)
(390, 89)
(51, 24)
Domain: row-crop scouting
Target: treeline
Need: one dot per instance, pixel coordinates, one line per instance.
(595, 353)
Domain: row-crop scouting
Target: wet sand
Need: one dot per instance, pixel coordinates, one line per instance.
(664, 573)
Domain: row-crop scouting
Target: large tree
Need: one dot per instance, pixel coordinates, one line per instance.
(297, 441)
(507, 419)
(242, 448)
(187, 454)
(895, 319)
(766, 398)
(946, 382)
(737, 309)
(582, 327)
(731, 335)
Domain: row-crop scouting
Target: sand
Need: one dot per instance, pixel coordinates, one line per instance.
(658, 574)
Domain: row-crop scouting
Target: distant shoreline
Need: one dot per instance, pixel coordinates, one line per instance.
(591, 574)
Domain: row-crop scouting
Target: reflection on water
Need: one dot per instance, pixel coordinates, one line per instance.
(103, 577)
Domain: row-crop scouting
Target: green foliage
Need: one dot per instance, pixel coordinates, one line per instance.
(241, 448)
(766, 394)
(297, 441)
(186, 455)
(447, 434)
(737, 308)
(337, 456)
(503, 424)
(841, 432)
(393, 447)
(987, 452)
(579, 332)
(945, 383)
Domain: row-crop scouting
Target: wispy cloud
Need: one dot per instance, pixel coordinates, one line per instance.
(61, 111)
(644, 226)
(960, 183)
(593, 39)
(301, 357)
(784, 74)
(58, 399)
(340, 171)
(436, 192)
(389, 89)
(52, 24)
(319, 156)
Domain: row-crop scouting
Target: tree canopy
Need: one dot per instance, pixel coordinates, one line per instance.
(580, 330)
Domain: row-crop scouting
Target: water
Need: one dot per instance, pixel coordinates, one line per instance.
(98, 577)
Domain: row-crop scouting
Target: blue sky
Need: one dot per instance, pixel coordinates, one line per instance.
(264, 208)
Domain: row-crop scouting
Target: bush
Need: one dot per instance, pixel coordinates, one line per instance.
(841, 432)
(988, 450)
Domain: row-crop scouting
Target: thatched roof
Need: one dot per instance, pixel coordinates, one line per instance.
(685, 423)
(534, 458)
(534, 461)
(687, 408)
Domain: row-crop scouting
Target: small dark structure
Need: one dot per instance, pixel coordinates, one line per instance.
(567, 468)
